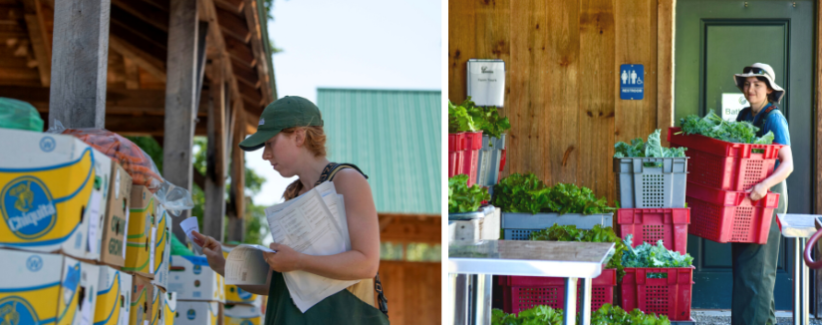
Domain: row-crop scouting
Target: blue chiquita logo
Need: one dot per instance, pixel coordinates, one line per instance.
(47, 144)
(197, 269)
(16, 311)
(246, 322)
(244, 295)
(191, 314)
(34, 263)
(28, 208)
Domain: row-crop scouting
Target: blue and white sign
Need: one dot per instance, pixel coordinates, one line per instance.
(632, 81)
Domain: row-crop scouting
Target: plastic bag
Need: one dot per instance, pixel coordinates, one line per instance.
(17, 114)
(136, 162)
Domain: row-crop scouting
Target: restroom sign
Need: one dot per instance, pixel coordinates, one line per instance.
(631, 81)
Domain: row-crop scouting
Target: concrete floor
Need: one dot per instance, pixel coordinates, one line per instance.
(722, 317)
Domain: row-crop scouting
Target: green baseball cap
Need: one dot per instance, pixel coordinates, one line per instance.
(284, 113)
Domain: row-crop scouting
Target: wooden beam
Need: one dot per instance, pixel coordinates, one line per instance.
(665, 65)
(235, 6)
(40, 42)
(181, 83)
(233, 25)
(139, 27)
(254, 25)
(240, 52)
(146, 61)
(252, 94)
(145, 11)
(217, 40)
(411, 229)
(202, 33)
(78, 90)
(245, 74)
(139, 41)
(148, 125)
(132, 73)
(238, 165)
(215, 158)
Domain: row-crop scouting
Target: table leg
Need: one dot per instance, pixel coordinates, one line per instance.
(585, 313)
(482, 298)
(800, 284)
(461, 299)
(569, 317)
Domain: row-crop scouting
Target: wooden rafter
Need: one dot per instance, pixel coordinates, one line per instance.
(254, 24)
(40, 40)
(146, 61)
(147, 12)
(132, 74)
(233, 25)
(235, 6)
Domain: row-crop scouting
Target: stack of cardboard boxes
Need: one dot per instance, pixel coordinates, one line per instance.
(200, 291)
(73, 249)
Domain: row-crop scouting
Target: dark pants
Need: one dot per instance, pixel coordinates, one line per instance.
(754, 270)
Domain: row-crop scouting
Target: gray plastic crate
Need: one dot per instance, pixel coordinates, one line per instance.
(480, 225)
(651, 182)
(519, 226)
(490, 157)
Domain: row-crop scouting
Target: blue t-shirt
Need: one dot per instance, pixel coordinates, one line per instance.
(775, 122)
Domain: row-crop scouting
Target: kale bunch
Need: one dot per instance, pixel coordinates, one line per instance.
(713, 126)
(527, 193)
(606, 315)
(462, 198)
(609, 314)
(598, 234)
(646, 255)
(467, 117)
(653, 148)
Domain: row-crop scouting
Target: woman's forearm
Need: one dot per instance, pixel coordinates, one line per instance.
(350, 265)
(784, 169)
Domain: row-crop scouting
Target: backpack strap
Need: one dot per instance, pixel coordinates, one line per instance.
(743, 112)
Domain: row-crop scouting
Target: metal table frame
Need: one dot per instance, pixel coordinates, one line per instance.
(799, 227)
(477, 286)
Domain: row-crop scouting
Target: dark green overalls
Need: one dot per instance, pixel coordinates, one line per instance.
(754, 265)
(340, 308)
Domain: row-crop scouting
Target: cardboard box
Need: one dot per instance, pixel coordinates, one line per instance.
(115, 222)
(198, 313)
(242, 315)
(39, 288)
(233, 293)
(142, 293)
(52, 193)
(169, 307)
(160, 315)
(162, 247)
(141, 232)
(193, 279)
(113, 297)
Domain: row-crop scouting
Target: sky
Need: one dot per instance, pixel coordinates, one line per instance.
(369, 44)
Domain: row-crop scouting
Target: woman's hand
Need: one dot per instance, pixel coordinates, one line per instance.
(212, 250)
(758, 191)
(285, 259)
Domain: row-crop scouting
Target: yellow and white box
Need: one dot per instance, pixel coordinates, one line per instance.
(142, 293)
(193, 279)
(197, 313)
(141, 232)
(162, 247)
(53, 191)
(169, 308)
(233, 293)
(40, 288)
(242, 315)
(113, 297)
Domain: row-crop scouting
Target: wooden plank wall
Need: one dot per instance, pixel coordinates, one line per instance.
(413, 290)
(562, 95)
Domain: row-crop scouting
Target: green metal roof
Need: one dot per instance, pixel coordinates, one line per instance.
(394, 136)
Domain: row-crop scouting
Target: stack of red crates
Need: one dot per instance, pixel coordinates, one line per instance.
(463, 154)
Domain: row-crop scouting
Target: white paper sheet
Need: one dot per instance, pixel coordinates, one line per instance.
(245, 265)
(189, 225)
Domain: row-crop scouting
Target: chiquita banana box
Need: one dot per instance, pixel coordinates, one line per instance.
(233, 293)
(193, 279)
(141, 232)
(169, 307)
(53, 191)
(113, 297)
(115, 222)
(142, 294)
(41, 288)
(162, 247)
(197, 313)
(242, 315)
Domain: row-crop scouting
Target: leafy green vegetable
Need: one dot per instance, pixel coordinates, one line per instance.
(653, 148)
(606, 315)
(462, 198)
(527, 193)
(596, 235)
(646, 255)
(715, 127)
(467, 117)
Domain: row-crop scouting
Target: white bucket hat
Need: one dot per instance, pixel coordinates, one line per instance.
(760, 70)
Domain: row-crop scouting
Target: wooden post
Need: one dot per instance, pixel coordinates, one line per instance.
(181, 83)
(215, 157)
(79, 63)
(237, 191)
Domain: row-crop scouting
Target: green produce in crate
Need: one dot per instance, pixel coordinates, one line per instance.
(461, 198)
(653, 148)
(606, 315)
(598, 234)
(646, 255)
(527, 193)
(467, 117)
(713, 126)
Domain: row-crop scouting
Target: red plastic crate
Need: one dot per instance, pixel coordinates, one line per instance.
(650, 225)
(525, 292)
(725, 165)
(729, 216)
(670, 296)
(463, 154)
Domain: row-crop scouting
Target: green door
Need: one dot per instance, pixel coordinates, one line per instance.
(714, 40)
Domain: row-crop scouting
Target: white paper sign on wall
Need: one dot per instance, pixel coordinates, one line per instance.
(486, 82)
(732, 103)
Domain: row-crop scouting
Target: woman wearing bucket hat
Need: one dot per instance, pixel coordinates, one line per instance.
(754, 265)
(291, 134)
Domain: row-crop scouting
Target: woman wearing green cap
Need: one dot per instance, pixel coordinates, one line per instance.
(291, 133)
(754, 265)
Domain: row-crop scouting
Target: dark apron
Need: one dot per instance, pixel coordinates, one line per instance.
(340, 308)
